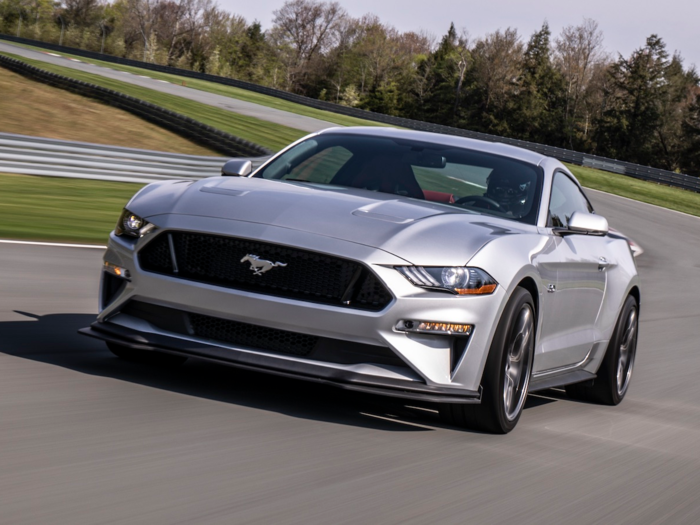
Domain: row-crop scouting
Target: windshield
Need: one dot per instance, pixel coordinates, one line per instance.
(458, 177)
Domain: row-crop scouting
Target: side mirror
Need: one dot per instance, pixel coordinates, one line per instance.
(588, 223)
(237, 168)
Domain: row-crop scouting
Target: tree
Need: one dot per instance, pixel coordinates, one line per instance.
(538, 105)
(82, 13)
(690, 159)
(443, 73)
(303, 30)
(675, 108)
(578, 55)
(629, 125)
(495, 77)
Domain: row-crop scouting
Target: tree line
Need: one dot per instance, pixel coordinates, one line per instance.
(562, 90)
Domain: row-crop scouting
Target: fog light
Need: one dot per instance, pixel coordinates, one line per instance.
(117, 271)
(432, 327)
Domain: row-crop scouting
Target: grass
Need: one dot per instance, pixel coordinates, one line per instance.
(60, 209)
(54, 113)
(228, 91)
(649, 192)
(273, 136)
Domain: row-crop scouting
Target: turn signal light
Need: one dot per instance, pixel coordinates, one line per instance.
(117, 271)
(482, 290)
(431, 327)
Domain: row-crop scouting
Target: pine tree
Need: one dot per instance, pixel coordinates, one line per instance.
(690, 156)
(538, 111)
(444, 72)
(632, 117)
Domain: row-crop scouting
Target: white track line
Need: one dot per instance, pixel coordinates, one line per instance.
(57, 244)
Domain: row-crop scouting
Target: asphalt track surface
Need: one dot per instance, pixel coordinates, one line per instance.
(233, 105)
(88, 438)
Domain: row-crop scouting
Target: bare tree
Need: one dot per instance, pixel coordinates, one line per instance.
(82, 12)
(304, 30)
(578, 54)
(340, 57)
(141, 17)
(498, 63)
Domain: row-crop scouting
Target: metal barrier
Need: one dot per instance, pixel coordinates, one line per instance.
(647, 173)
(22, 154)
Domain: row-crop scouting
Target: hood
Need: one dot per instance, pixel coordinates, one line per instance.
(420, 232)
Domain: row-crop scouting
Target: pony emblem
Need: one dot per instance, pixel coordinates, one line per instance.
(260, 266)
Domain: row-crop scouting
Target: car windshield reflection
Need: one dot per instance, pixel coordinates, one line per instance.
(457, 177)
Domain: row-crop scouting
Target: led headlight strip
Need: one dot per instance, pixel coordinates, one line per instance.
(459, 280)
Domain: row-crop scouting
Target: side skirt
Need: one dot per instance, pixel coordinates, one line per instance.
(563, 379)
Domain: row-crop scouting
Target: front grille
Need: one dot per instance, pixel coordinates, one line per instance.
(304, 275)
(251, 335)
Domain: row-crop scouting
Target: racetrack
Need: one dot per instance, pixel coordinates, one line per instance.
(224, 103)
(87, 438)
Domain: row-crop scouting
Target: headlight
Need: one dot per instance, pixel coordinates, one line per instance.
(455, 279)
(129, 224)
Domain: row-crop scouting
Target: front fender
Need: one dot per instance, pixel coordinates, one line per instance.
(511, 260)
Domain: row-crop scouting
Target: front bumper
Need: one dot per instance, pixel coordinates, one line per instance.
(251, 360)
(429, 364)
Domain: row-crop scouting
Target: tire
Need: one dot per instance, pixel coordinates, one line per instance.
(506, 375)
(147, 357)
(615, 372)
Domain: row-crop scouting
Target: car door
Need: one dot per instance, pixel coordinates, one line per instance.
(576, 265)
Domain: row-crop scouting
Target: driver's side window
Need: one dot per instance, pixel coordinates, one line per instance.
(565, 200)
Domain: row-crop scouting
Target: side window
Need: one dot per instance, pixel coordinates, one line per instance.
(322, 166)
(565, 200)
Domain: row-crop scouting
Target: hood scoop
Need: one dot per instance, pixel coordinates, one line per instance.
(215, 187)
(394, 211)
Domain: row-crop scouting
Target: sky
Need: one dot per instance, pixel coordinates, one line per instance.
(625, 24)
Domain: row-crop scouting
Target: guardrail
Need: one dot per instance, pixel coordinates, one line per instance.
(637, 171)
(22, 154)
(189, 128)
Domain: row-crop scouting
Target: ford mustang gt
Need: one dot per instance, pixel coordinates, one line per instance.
(402, 263)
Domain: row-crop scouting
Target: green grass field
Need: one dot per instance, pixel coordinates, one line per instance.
(60, 209)
(650, 192)
(273, 136)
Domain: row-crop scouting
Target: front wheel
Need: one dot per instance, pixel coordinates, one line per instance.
(615, 373)
(507, 373)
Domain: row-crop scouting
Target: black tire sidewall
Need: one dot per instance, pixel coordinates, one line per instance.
(607, 374)
(494, 375)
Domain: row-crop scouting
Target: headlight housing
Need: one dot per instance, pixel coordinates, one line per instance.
(459, 280)
(129, 224)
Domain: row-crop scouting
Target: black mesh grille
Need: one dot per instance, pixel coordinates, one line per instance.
(252, 336)
(304, 275)
(259, 337)
(156, 256)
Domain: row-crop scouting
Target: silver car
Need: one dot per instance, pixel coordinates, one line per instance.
(408, 264)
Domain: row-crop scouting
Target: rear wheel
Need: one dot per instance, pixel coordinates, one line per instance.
(148, 357)
(507, 372)
(615, 373)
